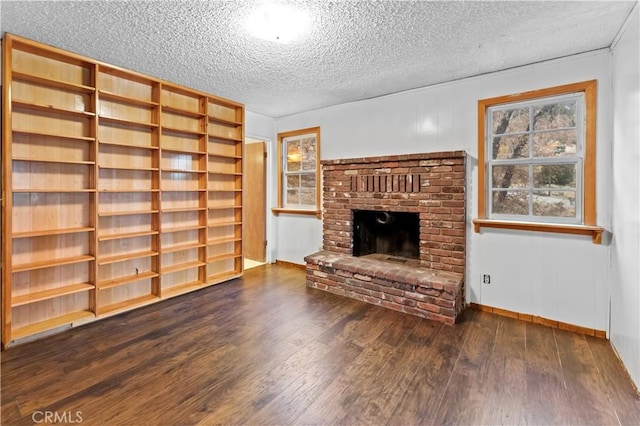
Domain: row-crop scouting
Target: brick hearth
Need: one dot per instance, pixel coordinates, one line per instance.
(432, 185)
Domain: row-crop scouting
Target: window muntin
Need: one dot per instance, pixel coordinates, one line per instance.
(535, 153)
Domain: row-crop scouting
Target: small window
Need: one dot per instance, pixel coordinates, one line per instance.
(536, 160)
(299, 172)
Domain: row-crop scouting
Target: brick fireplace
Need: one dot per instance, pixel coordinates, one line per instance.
(394, 232)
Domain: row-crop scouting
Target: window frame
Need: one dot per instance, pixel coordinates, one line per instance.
(282, 207)
(588, 191)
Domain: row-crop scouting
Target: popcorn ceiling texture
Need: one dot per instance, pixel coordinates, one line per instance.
(354, 49)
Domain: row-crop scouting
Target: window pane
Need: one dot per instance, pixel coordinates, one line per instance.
(510, 202)
(510, 176)
(510, 147)
(555, 144)
(510, 121)
(308, 181)
(293, 196)
(293, 181)
(293, 156)
(554, 203)
(554, 176)
(555, 115)
(309, 154)
(308, 196)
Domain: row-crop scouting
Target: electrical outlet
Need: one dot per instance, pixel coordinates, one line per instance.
(486, 279)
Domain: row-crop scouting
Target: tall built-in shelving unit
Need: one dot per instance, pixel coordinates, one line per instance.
(224, 167)
(184, 190)
(128, 190)
(119, 189)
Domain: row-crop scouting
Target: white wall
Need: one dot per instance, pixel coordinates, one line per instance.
(625, 246)
(551, 275)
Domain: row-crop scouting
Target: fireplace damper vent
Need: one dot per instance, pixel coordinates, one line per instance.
(385, 232)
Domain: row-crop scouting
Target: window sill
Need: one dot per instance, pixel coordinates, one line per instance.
(277, 210)
(594, 231)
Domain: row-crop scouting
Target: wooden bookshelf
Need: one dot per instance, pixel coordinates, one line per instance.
(121, 189)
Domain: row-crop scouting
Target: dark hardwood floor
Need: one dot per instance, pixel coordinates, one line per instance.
(266, 350)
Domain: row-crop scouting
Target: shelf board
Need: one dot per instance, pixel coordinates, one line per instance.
(53, 135)
(127, 235)
(46, 232)
(182, 247)
(225, 173)
(223, 276)
(48, 160)
(127, 145)
(127, 213)
(224, 138)
(181, 289)
(235, 157)
(219, 257)
(51, 109)
(182, 267)
(126, 280)
(126, 99)
(184, 209)
(128, 256)
(126, 305)
(221, 224)
(52, 262)
(121, 191)
(225, 121)
(58, 84)
(50, 324)
(183, 228)
(224, 207)
(143, 169)
(224, 190)
(61, 190)
(123, 121)
(181, 111)
(184, 150)
(184, 171)
(39, 296)
(215, 241)
(183, 131)
(184, 190)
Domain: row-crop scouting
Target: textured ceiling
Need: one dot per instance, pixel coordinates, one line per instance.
(353, 49)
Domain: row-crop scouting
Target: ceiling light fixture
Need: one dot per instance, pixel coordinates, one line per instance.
(277, 23)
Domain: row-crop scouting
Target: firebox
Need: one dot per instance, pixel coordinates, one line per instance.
(386, 232)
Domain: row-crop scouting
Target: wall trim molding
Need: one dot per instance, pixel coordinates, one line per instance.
(291, 265)
(540, 320)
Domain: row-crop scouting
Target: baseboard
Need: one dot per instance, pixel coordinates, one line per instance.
(540, 320)
(290, 264)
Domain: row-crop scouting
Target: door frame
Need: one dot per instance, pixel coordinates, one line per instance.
(269, 196)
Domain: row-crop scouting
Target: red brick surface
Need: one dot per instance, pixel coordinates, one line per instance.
(432, 185)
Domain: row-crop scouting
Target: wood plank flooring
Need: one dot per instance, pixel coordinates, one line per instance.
(264, 349)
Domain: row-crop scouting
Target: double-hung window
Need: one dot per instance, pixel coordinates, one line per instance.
(299, 172)
(537, 160)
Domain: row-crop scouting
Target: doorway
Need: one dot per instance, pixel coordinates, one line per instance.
(255, 203)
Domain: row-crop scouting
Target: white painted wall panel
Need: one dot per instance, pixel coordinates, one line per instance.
(555, 276)
(625, 252)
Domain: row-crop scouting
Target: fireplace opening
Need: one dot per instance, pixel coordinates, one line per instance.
(385, 232)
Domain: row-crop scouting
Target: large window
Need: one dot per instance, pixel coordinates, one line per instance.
(537, 160)
(299, 172)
